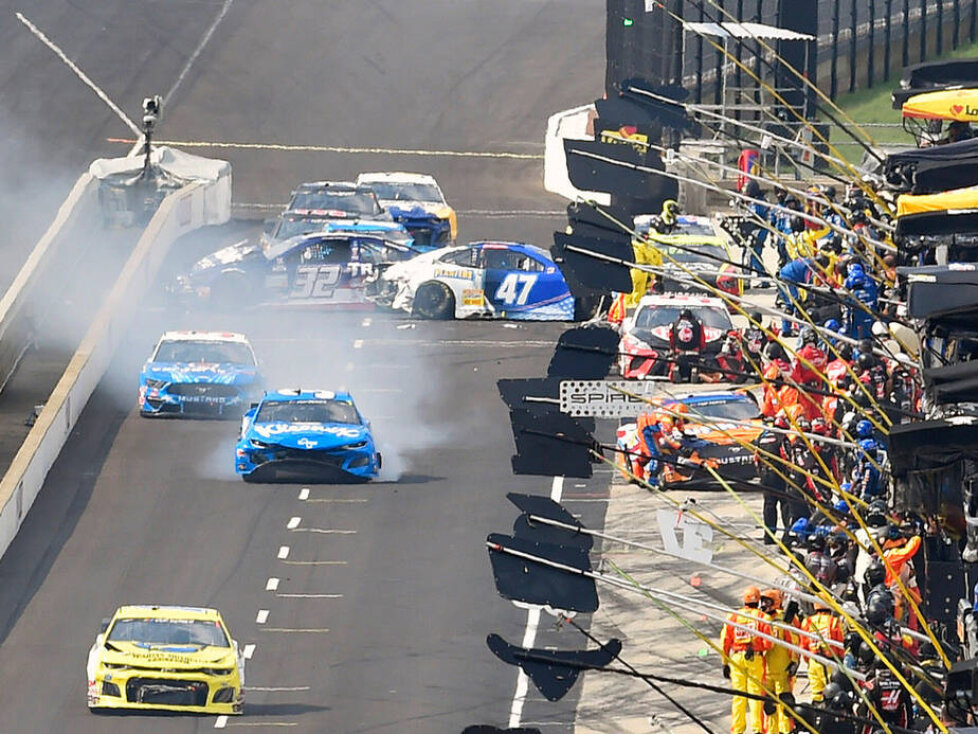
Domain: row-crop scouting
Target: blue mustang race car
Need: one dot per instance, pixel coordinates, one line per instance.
(309, 435)
(199, 373)
(504, 280)
(321, 269)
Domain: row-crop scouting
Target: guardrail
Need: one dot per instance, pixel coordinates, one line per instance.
(180, 213)
(16, 327)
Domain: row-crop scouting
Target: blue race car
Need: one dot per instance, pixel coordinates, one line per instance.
(199, 373)
(291, 224)
(503, 280)
(321, 269)
(306, 435)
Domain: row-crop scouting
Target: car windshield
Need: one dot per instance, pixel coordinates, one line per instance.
(724, 409)
(695, 227)
(155, 631)
(295, 226)
(204, 351)
(351, 202)
(651, 316)
(700, 254)
(403, 191)
(307, 411)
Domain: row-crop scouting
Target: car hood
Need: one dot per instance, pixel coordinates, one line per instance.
(660, 334)
(232, 255)
(419, 266)
(208, 372)
(308, 435)
(172, 656)
(417, 209)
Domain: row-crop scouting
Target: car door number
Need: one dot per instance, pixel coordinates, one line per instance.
(515, 288)
(312, 281)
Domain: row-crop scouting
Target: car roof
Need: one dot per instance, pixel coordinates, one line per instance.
(288, 394)
(504, 245)
(204, 336)
(680, 299)
(162, 611)
(396, 177)
(712, 397)
(281, 248)
(313, 185)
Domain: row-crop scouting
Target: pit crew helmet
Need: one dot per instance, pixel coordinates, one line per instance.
(864, 429)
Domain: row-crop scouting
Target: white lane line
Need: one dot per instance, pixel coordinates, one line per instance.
(298, 630)
(294, 523)
(221, 722)
(324, 531)
(315, 563)
(81, 75)
(309, 596)
(262, 616)
(337, 500)
(200, 47)
(350, 366)
(276, 689)
(249, 651)
(366, 322)
(304, 494)
(283, 552)
(357, 343)
(532, 622)
(271, 584)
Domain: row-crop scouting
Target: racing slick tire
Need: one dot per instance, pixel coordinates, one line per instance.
(435, 301)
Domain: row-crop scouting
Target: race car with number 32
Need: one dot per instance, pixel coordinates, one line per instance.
(312, 435)
(166, 658)
(504, 280)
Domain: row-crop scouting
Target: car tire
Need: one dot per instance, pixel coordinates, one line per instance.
(230, 291)
(250, 478)
(435, 301)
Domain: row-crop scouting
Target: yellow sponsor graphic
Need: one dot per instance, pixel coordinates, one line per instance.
(454, 273)
(472, 297)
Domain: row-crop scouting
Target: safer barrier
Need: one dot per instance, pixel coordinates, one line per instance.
(180, 213)
(16, 329)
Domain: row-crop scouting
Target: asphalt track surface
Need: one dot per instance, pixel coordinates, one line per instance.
(145, 510)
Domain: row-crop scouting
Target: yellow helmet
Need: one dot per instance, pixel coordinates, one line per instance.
(670, 210)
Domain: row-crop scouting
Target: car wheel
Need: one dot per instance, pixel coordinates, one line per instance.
(434, 301)
(230, 291)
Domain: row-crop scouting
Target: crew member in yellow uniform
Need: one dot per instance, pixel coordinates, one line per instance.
(744, 653)
(829, 628)
(780, 662)
(647, 251)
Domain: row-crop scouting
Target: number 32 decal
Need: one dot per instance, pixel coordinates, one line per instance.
(515, 288)
(316, 282)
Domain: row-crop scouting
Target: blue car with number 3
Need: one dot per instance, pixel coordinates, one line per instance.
(504, 280)
(306, 435)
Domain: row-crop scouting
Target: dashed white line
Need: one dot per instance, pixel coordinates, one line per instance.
(304, 494)
(366, 322)
(310, 630)
(357, 343)
(221, 722)
(249, 651)
(271, 584)
(324, 531)
(262, 616)
(309, 596)
(283, 552)
(293, 523)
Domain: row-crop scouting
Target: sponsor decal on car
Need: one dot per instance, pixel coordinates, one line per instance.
(472, 297)
(278, 429)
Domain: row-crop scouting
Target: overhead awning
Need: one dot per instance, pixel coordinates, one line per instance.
(746, 30)
(945, 293)
(957, 199)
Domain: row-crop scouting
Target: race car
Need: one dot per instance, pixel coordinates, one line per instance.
(166, 658)
(292, 224)
(199, 373)
(312, 435)
(644, 346)
(337, 200)
(720, 428)
(696, 248)
(416, 201)
(505, 280)
(322, 269)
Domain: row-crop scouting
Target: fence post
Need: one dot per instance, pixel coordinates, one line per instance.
(757, 62)
(956, 18)
(887, 39)
(871, 61)
(721, 62)
(940, 27)
(905, 22)
(699, 60)
(852, 45)
(738, 79)
(923, 30)
(834, 71)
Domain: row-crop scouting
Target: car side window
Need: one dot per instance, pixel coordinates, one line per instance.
(328, 252)
(467, 258)
(531, 265)
(503, 259)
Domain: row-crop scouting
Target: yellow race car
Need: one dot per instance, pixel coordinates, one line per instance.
(166, 658)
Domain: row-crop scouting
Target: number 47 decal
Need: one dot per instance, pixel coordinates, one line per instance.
(515, 288)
